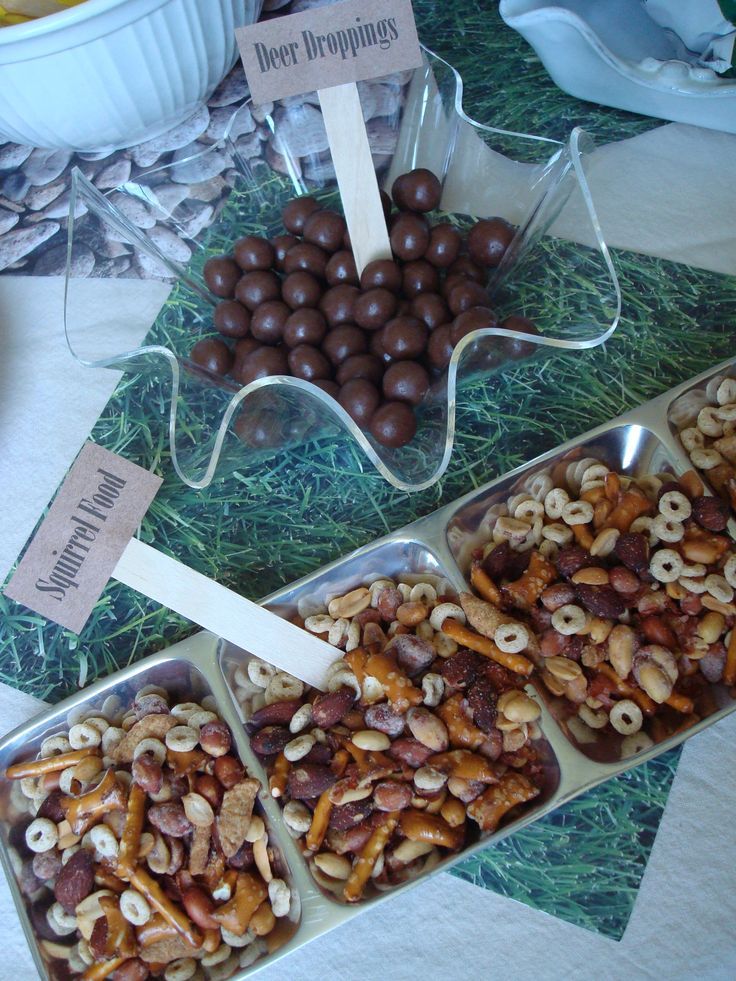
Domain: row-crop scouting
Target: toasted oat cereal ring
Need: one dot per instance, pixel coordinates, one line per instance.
(529, 510)
(433, 688)
(283, 687)
(591, 717)
(61, 922)
(645, 526)
(233, 940)
(423, 592)
(510, 530)
(301, 718)
(185, 709)
(41, 835)
(299, 747)
(569, 619)
(729, 571)
(692, 439)
(444, 610)
(104, 841)
(693, 584)
(82, 735)
(605, 542)
(557, 533)
(217, 956)
(111, 737)
(719, 588)
(555, 501)
(727, 413)
(577, 513)
(726, 391)
(668, 529)
(153, 746)
(705, 459)
(511, 638)
(134, 907)
(180, 970)
(673, 504)
(540, 485)
(666, 565)
(54, 746)
(181, 739)
(259, 672)
(626, 717)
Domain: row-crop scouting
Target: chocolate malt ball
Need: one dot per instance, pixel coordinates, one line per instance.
(343, 342)
(381, 273)
(253, 252)
(338, 305)
(262, 363)
(409, 236)
(296, 212)
(465, 267)
(221, 276)
(466, 295)
(419, 190)
(268, 321)
(488, 240)
(366, 366)
(213, 355)
(514, 348)
(255, 288)
(341, 269)
(445, 242)
(305, 326)
(431, 308)
(329, 386)
(404, 338)
(306, 257)
(418, 277)
(405, 381)
(374, 308)
(231, 318)
(309, 363)
(301, 289)
(281, 245)
(477, 318)
(360, 399)
(393, 424)
(325, 229)
(439, 348)
(243, 349)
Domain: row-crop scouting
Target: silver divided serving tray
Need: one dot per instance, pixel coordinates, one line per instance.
(439, 545)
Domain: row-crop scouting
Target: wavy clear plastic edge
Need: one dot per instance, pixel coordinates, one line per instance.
(427, 127)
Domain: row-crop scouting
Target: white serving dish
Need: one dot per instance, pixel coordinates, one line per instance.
(111, 73)
(610, 51)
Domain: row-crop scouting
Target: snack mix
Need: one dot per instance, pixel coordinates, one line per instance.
(138, 849)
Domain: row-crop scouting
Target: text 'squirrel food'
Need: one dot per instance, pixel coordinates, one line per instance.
(294, 305)
(424, 734)
(138, 848)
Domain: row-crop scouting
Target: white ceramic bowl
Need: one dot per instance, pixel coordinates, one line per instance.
(111, 73)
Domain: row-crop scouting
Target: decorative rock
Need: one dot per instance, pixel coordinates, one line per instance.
(53, 262)
(381, 137)
(59, 208)
(209, 190)
(11, 205)
(114, 174)
(13, 155)
(387, 99)
(96, 154)
(278, 163)
(233, 88)
(196, 162)
(270, 5)
(260, 112)
(234, 123)
(8, 220)
(199, 219)
(249, 146)
(15, 186)
(169, 197)
(170, 244)
(180, 136)
(39, 198)
(300, 131)
(44, 166)
(135, 210)
(19, 242)
(150, 268)
(319, 170)
(111, 268)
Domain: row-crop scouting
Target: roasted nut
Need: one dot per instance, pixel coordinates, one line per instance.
(390, 795)
(350, 604)
(198, 810)
(170, 819)
(147, 773)
(329, 708)
(214, 738)
(335, 866)
(428, 729)
(229, 771)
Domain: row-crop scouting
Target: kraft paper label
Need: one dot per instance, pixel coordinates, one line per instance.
(328, 46)
(73, 553)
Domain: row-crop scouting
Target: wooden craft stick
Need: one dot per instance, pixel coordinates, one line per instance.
(356, 175)
(225, 613)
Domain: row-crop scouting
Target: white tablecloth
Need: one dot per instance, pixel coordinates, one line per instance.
(684, 921)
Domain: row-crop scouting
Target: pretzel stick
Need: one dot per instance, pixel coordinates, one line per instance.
(339, 762)
(493, 804)
(368, 857)
(103, 969)
(691, 484)
(465, 765)
(681, 703)
(583, 535)
(460, 729)
(729, 672)
(622, 687)
(612, 484)
(37, 768)
(130, 840)
(400, 691)
(631, 506)
(155, 895)
(481, 645)
(484, 585)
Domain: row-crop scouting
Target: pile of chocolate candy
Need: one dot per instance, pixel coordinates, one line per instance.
(295, 305)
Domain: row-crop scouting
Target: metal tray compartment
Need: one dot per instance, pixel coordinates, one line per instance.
(403, 559)
(189, 672)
